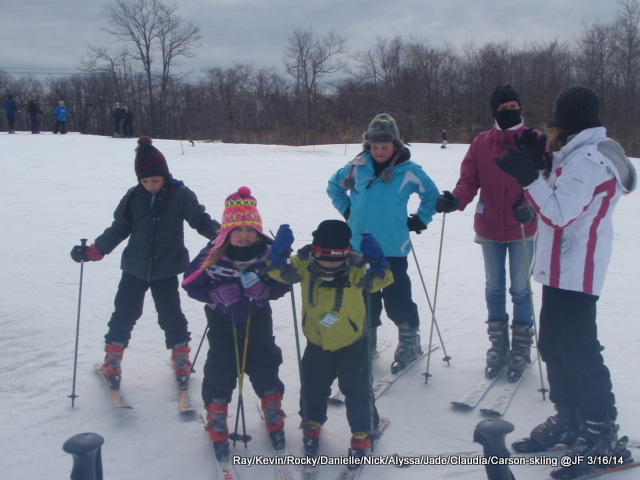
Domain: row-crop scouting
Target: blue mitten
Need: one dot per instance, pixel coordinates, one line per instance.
(281, 248)
(371, 249)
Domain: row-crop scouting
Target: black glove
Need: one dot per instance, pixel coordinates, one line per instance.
(523, 212)
(536, 146)
(415, 224)
(79, 253)
(518, 164)
(447, 202)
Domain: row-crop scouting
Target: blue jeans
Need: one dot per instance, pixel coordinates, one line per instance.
(495, 259)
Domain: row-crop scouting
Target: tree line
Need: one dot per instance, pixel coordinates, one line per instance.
(324, 93)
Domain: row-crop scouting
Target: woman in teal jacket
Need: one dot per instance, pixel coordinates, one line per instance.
(372, 192)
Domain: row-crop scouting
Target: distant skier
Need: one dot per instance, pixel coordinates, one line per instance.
(332, 277)
(34, 112)
(575, 197)
(229, 275)
(118, 114)
(152, 216)
(444, 139)
(61, 113)
(127, 122)
(10, 110)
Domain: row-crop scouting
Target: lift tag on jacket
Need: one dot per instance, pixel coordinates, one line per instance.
(329, 320)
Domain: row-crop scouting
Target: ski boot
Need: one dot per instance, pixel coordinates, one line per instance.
(519, 357)
(311, 437)
(360, 447)
(217, 429)
(599, 439)
(274, 418)
(408, 348)
(563, 428)
(112, 367)
(497, 354)
(181, 364)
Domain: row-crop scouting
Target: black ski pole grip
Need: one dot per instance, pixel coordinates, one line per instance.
(491, 434)
(83, 242)
(85, 448)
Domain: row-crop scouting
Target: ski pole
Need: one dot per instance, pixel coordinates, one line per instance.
(367, 295)
(240, 409)
(303, 396)
(73, 396)
(193, 364)
(543, 390)
(432, 308)
(235, 436)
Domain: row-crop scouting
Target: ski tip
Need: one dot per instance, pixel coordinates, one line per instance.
(460, 406)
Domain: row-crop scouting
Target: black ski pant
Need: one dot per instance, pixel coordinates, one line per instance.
(128, 309)
(60, 126)
(11, 120)
(398, 302)
(350, 365)
(264, 357)
(570, 348)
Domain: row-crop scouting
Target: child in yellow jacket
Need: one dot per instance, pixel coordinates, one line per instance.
(334, 321)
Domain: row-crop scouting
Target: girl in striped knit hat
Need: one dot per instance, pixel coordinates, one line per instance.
(230, 276)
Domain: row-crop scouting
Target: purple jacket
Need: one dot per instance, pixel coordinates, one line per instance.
(494, 218)
(225, 271)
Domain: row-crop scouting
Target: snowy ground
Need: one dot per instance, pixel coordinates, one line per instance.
(58, 189)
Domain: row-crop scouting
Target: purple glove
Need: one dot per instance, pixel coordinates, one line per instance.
(227, 293)
(258, 291)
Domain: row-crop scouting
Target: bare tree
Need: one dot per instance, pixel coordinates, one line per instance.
(308, 58)
(149, 29)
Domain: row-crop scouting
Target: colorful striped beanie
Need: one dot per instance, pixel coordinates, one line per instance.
(240, 210)
(383, 128)
(150, 162)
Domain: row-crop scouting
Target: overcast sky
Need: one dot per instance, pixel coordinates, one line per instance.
(42, 35)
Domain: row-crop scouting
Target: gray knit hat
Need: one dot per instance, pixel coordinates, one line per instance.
(383, 128)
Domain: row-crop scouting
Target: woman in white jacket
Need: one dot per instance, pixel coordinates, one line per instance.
(574, 199)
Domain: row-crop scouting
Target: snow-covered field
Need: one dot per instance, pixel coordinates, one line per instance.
(58, 189)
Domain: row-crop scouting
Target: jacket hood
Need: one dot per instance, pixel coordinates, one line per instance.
(619, 163)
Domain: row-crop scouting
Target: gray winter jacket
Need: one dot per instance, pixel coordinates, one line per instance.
(155, 227)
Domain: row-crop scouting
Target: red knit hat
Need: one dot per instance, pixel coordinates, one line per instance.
(150, 162)
(240, 210)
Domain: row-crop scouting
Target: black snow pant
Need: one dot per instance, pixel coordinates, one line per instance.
(60, 126)
(350, 365)
(570, 348)
(128, 309)
(264, 357)
(398, 302)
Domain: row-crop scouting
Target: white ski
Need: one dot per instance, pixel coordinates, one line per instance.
(501, 402)
(474, 394)
(381, 384)
(354, 473)
(283, 472)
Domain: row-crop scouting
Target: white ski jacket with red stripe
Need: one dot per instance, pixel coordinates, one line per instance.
(575, 204)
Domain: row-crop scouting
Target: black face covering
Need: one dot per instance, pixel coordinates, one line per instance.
(507, 118)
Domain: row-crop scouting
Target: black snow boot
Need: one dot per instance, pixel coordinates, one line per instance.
(497, 354)
(563, 428)
(599, 439)
(520, 354)
(408, 348)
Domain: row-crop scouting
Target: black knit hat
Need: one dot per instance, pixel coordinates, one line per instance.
(503, 94)
(577, 108)
(150, 162)
(331, 240)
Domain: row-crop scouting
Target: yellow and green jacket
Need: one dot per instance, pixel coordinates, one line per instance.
(333, 312)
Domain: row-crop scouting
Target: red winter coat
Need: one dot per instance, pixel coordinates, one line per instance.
(498, 191)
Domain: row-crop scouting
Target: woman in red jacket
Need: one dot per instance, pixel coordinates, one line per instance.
(500, 212)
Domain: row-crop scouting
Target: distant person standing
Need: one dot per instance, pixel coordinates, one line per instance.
(444, 139)
(10, 111)
(127, 122)
(118, 114)
(34, 111)
(61, 113)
